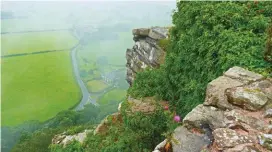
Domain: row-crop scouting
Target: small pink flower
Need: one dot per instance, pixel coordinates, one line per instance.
(177, 118)
(166, 108)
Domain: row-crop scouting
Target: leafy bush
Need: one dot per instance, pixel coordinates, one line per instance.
(268, 49)
(38, 137)
(74, 146)
(137, 132)
(164, 44)
(38, 141)
(207, 39)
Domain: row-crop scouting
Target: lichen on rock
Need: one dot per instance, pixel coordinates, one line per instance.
(235, 117)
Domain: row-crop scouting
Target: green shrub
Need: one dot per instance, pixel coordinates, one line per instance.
(164, 43)
(137, 132)
(207, 39)
(74, 146)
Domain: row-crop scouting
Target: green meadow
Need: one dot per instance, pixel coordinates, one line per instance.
(35, 42)
(113, 95)
(96, 86)
(37, 87)
(30, 24)
(112, 49)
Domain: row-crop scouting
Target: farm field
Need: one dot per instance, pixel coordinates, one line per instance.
(37, 87)
(96, 86)
(112, 49)
(36, 41)
(113, 95)
(30, 24)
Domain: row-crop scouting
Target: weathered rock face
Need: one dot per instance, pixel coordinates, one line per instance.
(103, 126)
(146, 51)
(64, 139)
(236, 116)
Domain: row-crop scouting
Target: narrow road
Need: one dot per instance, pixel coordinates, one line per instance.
(85, 93)
(86, 96)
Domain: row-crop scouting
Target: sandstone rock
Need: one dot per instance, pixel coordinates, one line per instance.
(158, 33)
(242, 75)
(215, 92)
(66, 139)
(151, 41)
(141, 31)
(243, 148)
(233, 116)
(247, 98)
(145, 52)
(227, 138)
(187, 141)
(80, 137)
(204, 115)
(264, 86)
(58, 139)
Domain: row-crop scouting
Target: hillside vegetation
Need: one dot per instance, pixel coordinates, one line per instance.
(207, 39)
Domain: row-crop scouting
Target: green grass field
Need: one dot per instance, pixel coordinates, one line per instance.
(38, 41)
(26, 24)
(114, 50)
(37, 87)
(96, 86)
(113, 95)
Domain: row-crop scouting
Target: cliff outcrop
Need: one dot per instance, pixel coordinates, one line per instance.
(146, 51)
(235, 116)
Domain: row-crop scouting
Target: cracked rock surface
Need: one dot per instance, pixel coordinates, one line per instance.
(236, 116)
(146, 52)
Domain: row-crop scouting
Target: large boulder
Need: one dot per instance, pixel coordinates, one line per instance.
(201, 115)
(250, 99)
(158, 33)
(141, 31)
(243, 75)
(64, 139)
(227, 138)
(252, 96)
(235, 117)
(188, 141)
(243, 119)
(215, 92)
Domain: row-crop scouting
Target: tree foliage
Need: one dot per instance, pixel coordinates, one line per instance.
(35, 136)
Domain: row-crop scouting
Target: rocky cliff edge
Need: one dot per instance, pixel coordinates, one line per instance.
(146, 51)
(236, 116)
